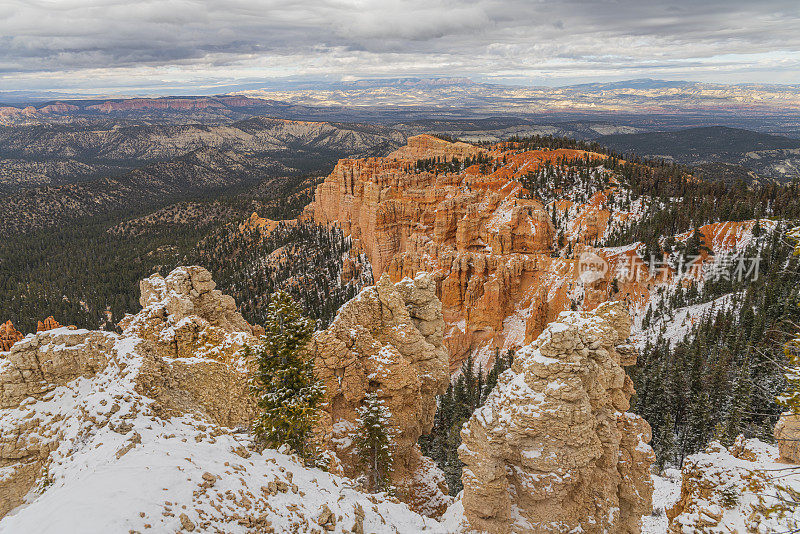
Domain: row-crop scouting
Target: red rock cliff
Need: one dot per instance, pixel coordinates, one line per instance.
(491, 249)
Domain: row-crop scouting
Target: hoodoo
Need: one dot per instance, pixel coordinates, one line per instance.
(9, 335)
(387, 341)
(554, 449)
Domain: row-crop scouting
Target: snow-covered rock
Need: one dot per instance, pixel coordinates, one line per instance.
(103, 432)
(388, 341)
(554, 448)
(743, 488)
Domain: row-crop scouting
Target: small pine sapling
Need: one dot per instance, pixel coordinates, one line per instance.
(373, 442)
(287, 392)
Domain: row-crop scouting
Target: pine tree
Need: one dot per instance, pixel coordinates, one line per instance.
(463, 396)
(373, 442)
(790, 399)
(287, 392)
(740, 401)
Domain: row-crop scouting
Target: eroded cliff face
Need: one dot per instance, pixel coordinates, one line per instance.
(490, 249)
(388, 340)
(192, 335)
(554, 449)
(180, 355)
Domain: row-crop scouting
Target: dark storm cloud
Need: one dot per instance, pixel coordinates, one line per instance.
(194, 40)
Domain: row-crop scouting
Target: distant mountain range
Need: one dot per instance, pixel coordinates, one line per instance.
(89, 171)
(644, 104)
(727, 131)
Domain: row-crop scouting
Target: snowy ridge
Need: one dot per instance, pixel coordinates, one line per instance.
(118, 467)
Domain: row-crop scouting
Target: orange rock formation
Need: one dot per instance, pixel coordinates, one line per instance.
(491, 250)
(48, 324)
(265, 226)
(8, 336)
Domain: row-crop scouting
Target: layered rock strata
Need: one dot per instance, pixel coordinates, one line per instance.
(388, 340)
(554, 449)
(490, 249)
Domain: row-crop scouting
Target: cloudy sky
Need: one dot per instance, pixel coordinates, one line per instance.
(176, 46)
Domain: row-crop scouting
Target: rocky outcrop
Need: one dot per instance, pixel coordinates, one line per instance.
(48, 324)
(186, 295)
(491, 250)
(787, 436)
(8, 336)
(33, 369)
(194, 333)
(262, 225)
(388, 340)
(108, 432)
(182, 351)
(741, 488)
(554, 449)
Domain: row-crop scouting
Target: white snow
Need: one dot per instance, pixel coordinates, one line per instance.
(666, 491)
(676, 328)
(118, 467)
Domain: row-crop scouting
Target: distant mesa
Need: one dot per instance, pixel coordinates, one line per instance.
(264, 226)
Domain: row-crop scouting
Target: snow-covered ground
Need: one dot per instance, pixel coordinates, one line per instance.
(676, 326)
(744, 488)
(666, 490)
(119, 467)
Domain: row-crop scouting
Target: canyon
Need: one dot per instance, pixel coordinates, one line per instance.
(171, 389)
(507, 261)
(476, 249)
(491, 248)
(553, 449)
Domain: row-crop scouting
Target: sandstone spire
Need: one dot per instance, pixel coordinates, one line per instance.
(48, 324)
(387, 340)
(8, 335)
(554, 449)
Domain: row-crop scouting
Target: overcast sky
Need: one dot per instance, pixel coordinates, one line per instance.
(185, 45)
